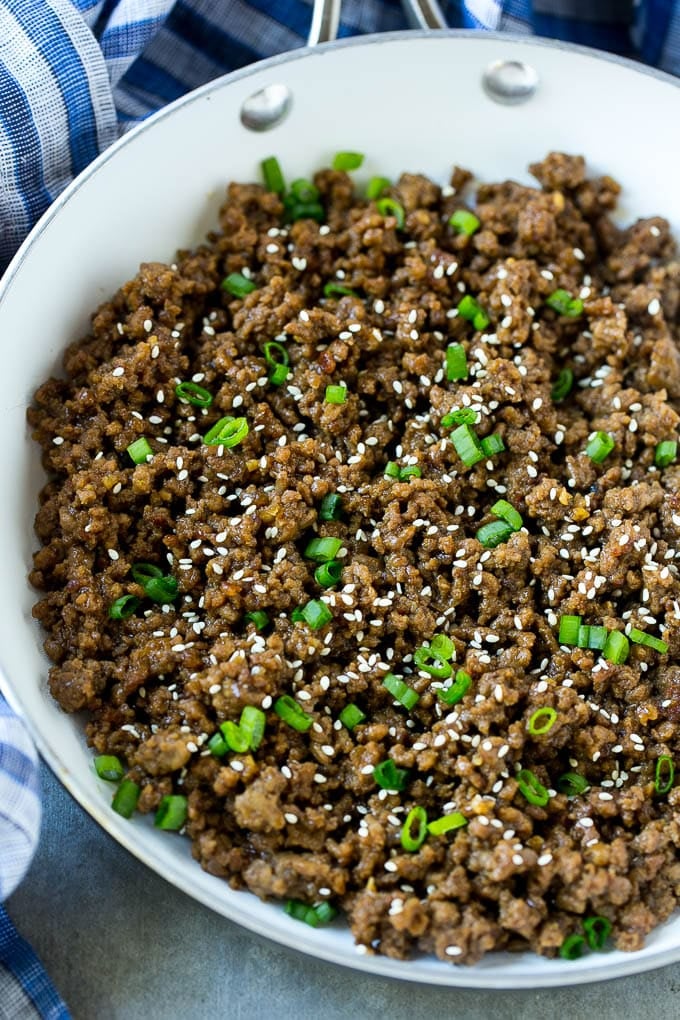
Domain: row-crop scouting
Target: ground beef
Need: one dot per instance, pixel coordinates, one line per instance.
(302, 815)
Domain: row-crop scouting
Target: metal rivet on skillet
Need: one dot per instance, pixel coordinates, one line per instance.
(510, 81)
(266, 108)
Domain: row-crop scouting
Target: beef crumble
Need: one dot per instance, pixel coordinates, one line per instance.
(302, 816)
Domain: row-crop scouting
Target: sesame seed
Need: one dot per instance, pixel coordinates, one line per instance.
(654, 306)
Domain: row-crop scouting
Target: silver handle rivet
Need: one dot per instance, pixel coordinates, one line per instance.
(510, 81)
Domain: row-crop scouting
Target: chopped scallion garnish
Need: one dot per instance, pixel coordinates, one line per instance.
(389, 777)
(125, 798)
(338, 290)
(443, 646)
(507, 513)
(273, 176)
(191, 393)
(665, 453)
(430, 661)
(563, 385)
(456, 362)
(375, 187)
(390, 207)
(542, 721)
(347, 160)
(563, 303)
(639, 637)
(572, 947)
(414, 830)
(664, 774)
(252, 725)
(456, 691)
(258, 618)
(471, 310)
(467, 445)
(316, 614)
(322, 913)
(616, 648)
(599, 447)
(140, 450)
(109, 767)
(491, 445)
(290, 712)
(464, 416)
(531, 788)
(400, 691)
(569, 628)
(464, 222)
(351, 716)
(331, 507)
(227, 432)
(322, 550)
(238, 285)
(447, 823)
(124, 607)
(572, 784)
(597, 929)
(494, 533)
(171, 813)
(276, 356)
(327, 575)
(336, 394)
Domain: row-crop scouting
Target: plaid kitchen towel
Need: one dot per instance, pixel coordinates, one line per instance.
(75, 73)
(25, 990)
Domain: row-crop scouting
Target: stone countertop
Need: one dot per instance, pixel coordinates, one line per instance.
(122, 944)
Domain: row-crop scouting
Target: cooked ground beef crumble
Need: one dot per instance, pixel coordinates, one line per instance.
(302, 816)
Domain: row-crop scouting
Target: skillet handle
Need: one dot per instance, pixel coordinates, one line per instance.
(424, 14)
(325, 21)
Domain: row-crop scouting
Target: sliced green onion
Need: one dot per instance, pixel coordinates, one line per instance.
(572, 784)
(507, 513)
(109, 767)
(273, 176)
(665, 453)
(278, 375)
(491, 445)
(599, 447)
(414, 830)
(389, 777)
(639, 637)
(493, 533)
(316, 614)
(328, 574)
(217, 745)
(464, 416)
(664, 774)
(616, 648)
(562, 385)
(275, 354)
(597, 929)
(569, 628)
(542, 721)
(313, 916)
(237, 741)
(322, 550)
(467, 445)
(125, 798)
(142, 573)
(464, 222)
(443, 647)
(563, 303)
(162, 590)
(392, 470)
(572, 947)
(332, 289)
(432, 662)
(331, 507)
(471, 310)
(447, 823)
(238, 285)
(336, 394)
(124, 607)
(531, 788)
(258, 618)
(172, 813)
(191, 393)
(227, 432)
(410, 471)
(401, 691)
(456, 691)
(390, 207)
(296, 615)
(252, 725)
(347, 160)
(375, 187)
(140, 450)
(303, 190)
(351, 716)
(296, 210)
(290, 712)
(456, 362)
(583, 640)
(597, 637)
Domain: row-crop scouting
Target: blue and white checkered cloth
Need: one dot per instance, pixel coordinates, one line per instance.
(74, 74)
(25, 989)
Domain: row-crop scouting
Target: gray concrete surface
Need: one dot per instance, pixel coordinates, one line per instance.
(122, 944)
